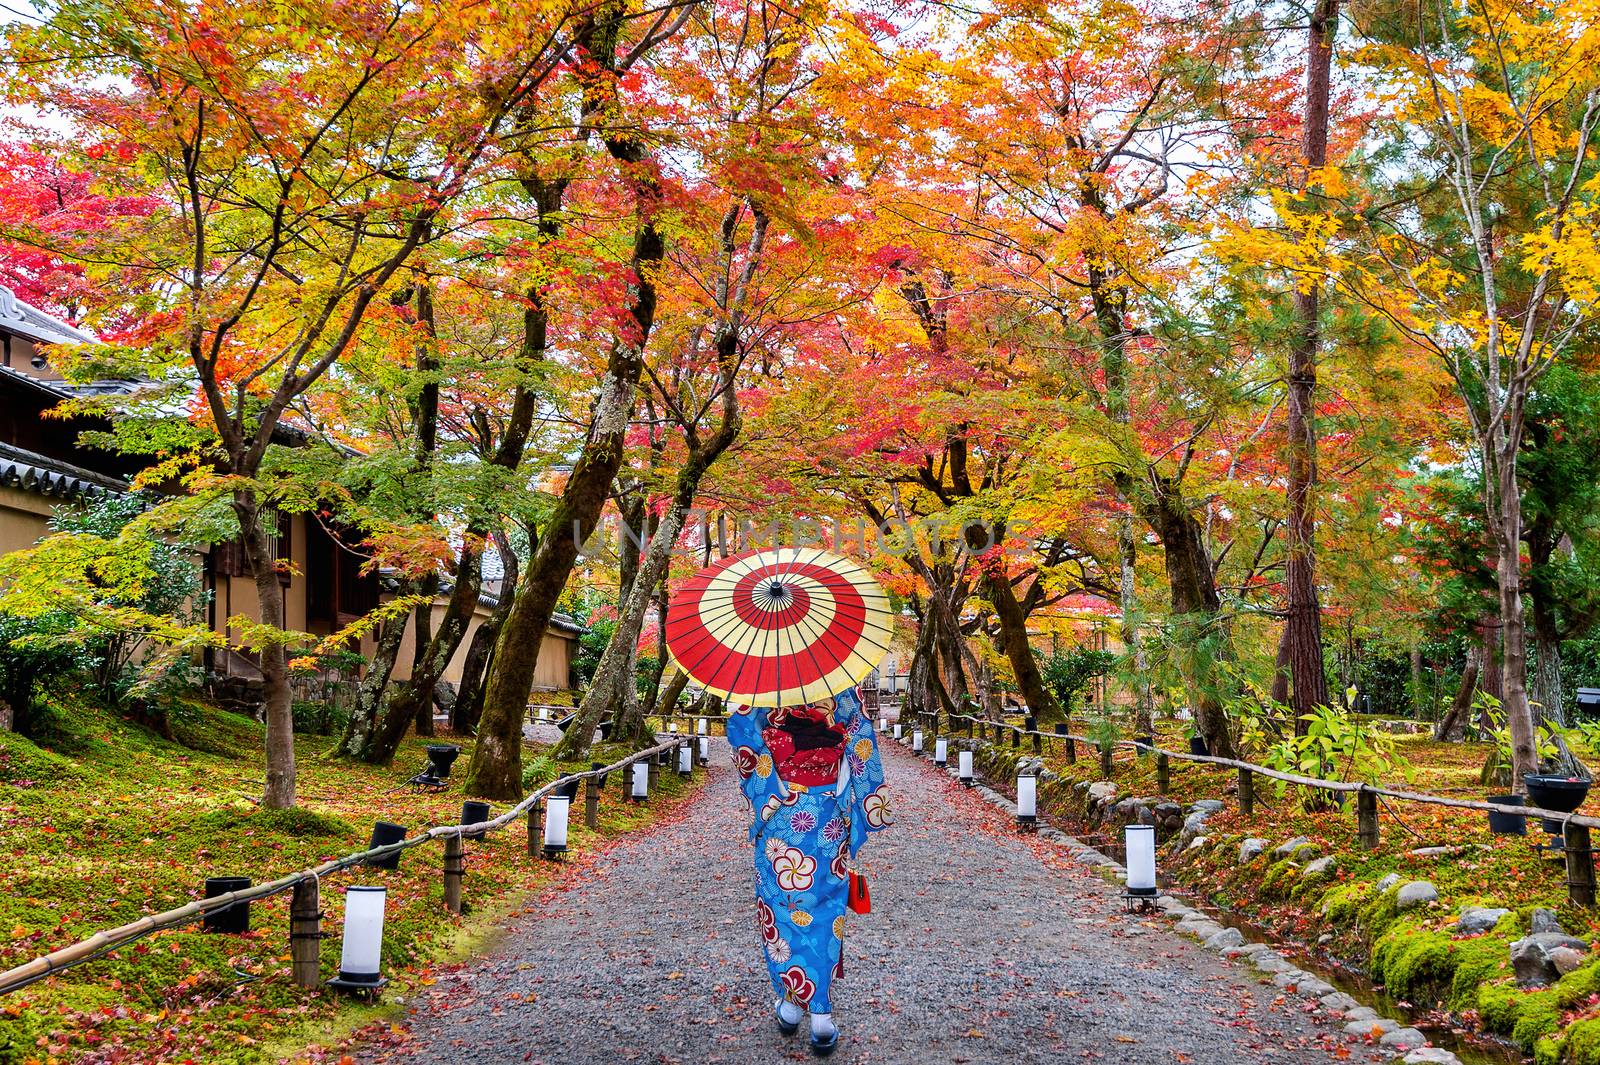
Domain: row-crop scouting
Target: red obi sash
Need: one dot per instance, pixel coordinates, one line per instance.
(806, 745)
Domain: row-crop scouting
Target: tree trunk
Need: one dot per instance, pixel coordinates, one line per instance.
(279, 793)
(1014, 640)
(613, 689)
(374, 682)
(1196, 606)
(1302, 631)
(1132, 647)
(416, 697)
(469, 699)
(1418, 699)
(1453, 725)
(674, 691)
(1507, 527)
(424, 636)
(496, 768)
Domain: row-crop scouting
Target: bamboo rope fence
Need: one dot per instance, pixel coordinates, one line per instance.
(305, 917)
(1576, 849)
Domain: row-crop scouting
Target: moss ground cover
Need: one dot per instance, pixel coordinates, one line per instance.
(1417, 956)
(102, 822)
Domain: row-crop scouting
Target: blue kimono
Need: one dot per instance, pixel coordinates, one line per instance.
(807, 826)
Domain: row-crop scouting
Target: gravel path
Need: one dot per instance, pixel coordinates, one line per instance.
(983, 947)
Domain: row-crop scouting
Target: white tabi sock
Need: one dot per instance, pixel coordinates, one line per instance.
(822, 1025)
(788, 1012)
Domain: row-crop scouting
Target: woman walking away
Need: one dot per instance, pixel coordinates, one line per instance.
(814, 783)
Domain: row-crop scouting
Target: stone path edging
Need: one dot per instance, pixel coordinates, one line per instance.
(1409, 1043)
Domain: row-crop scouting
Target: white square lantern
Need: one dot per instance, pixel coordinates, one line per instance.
(897, 729)
(557, 809)
(672, 728)
(1141, 847)
(1027, 802)
(685, 760)
(964, 768)
(916, 740)
(361, 959)
(941, 751)
(641, 781)
(705, 749)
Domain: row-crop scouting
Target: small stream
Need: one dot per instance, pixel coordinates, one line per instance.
(1471, 1049)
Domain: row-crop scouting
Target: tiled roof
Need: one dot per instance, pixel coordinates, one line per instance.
(46, 476)
(26, 320)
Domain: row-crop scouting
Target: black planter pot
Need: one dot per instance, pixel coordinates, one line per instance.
(1197, 745)
(441, 756)
(235, 918)
(384, 833)
(472, 812)
(1508, 824)
(1560, 794)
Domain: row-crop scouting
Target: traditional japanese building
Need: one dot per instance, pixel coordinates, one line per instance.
(43, 464)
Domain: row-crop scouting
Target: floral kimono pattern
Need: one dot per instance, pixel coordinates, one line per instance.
(806, 830)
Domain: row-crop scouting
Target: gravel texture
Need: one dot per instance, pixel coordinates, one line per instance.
(983, 946)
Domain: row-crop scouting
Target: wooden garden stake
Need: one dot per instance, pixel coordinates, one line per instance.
(1247, 792)
(455, 869)
(1580, 865)
(1367, 819)
(305, 933)
(1163, 774)
(1038, 741)
(1105, 762)
(591, 802)
(536, 829)
(1016, 739)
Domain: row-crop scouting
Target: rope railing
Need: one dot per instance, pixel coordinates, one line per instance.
(1344, 786)
(102, 943)
(1574, 832)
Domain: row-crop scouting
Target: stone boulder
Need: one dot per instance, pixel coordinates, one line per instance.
(1430, 1056)
(1543, 920)
(1292, 848)
(1316, 870)
(1415, 894)
(1252, 848)
(1388, 881)
(1537, 958)
(1226, 939)
(1403, 1038)
(1476, 920)
(1194, 825)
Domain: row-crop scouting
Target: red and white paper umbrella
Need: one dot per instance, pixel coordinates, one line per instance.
(779, 628)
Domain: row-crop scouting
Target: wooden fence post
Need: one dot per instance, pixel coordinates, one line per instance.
(1367, 819)
(455, 868)
(1163, 773)
(1016, 739)
(305, 933)
(1033, 728)
(591, 802)
(969, 726)
(536, 828)
(1580, 865)
(1247, 792)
